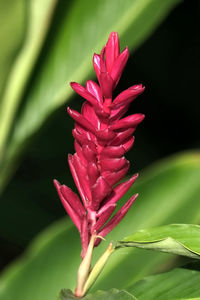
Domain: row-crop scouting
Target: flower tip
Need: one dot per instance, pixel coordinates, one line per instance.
(114, 36)
(70, 156)
(140, 118)
(96, 58)
(75, 86)
(135, 196)
(135, 176)
(138, 87)
(56, 182)
(126, 51)
(88, 83)
(69, 110)
(114, 33)
(110, 248)
(72, 83)
(141, 88)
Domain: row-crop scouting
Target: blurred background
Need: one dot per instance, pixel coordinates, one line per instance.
(44, 45)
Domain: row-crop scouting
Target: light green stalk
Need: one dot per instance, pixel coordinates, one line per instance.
(84, 268)
(97, 268)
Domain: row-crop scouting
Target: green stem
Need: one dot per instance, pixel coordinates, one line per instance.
(84, 268)
(97, 268)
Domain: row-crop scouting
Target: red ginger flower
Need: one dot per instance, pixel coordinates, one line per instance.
(102, 137)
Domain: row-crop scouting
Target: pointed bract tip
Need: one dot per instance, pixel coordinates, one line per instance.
(134, 197)
(72, 83)
(96, 56)
(114, 34)
(70, 156)
(134, 177)
(126, 51)
(110, 247)
(138, 87)
(97, 60)
(56, 183)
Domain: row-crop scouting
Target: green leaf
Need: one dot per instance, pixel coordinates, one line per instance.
(113, 294)
(180, 239)
(37, 27)
(83, 29)
(169, 192)
(179, 284)
(12, 21)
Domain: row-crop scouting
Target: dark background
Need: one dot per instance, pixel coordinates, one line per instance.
(168, 65)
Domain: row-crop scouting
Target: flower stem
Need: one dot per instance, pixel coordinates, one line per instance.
(97, 268)
(84, 268)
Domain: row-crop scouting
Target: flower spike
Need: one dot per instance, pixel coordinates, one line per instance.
(102, 137)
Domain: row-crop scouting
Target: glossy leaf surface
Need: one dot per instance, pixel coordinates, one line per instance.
(180, 239)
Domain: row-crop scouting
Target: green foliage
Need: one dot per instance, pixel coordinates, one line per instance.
(113, 294)
(38, 22)
(169, 193)
(12, 18)
(78, 29)
(181, 239)
(178, 284)
(46, 44)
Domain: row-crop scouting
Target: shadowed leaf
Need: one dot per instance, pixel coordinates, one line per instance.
(178, 284)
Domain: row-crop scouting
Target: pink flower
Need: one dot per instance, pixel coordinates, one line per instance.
(102, 137)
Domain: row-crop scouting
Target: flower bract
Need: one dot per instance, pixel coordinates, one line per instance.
(102, 137)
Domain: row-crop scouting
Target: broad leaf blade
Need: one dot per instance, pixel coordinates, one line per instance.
(82, 30)
(180, 239)
(38, 22)
(178, 284)
(169, 192)
(40, 269)
(113, 294)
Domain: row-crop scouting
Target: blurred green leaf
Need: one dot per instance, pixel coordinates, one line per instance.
(113, 294)
(12, 27)
(81, 28)
(178, 284)
(180, 239)
(169, 193)
(38, 21)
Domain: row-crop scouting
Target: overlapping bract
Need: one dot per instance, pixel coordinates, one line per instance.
(102, 137)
